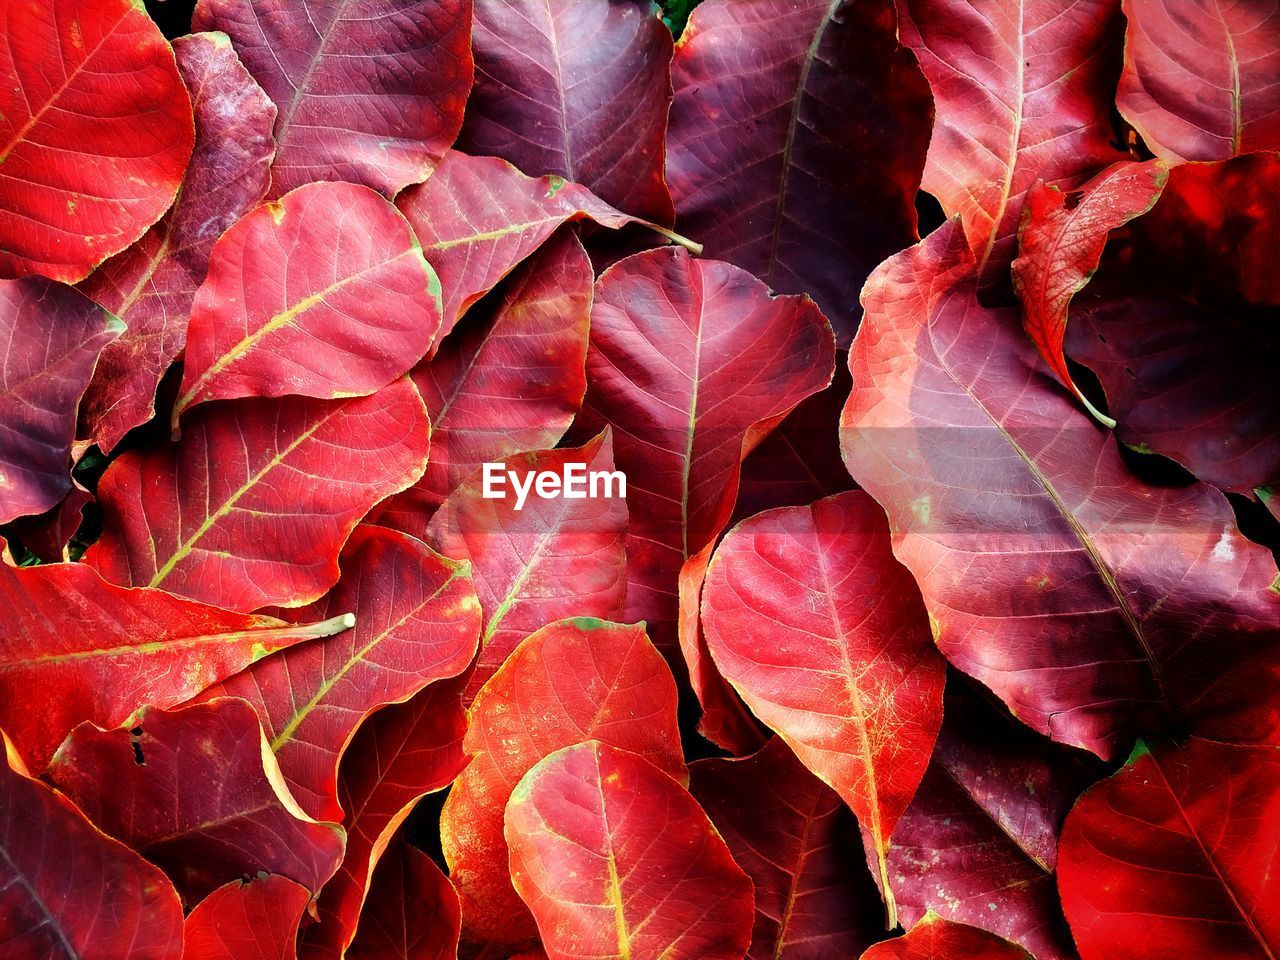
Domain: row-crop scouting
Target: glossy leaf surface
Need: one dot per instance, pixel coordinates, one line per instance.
(936, 939)
(798, 139)
(691, 362)
(257, 920)
(616, 859)
(1199, 79)
(822, 632)
(324, 293)
(99, 652)
(95, 133)
(571, 681)
(369, 92)
(50, 339)
(552, 558)
(151, 285)
(553, 78)
(416, 621)
(1176, 853)
(253, 506)
(68, 892)
(1093, 604)
(194, 792)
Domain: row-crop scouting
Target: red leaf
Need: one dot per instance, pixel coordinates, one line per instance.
(1060, 246)
(1023, 93)
(257, 920)
(550, 559)
(798, 844)
(413, 912)
(48, 535)
(504, 383)
(95, 133)
(936, 939)
(615, 858)
(253, 506)
(1094, 605)
(324, 293)
(571, 681)
(67, 892)
(477, 217)
(553, 78)
(151, 285)
(416, 621)
(403, 752)
(371, 94)
(823, 634)
(978, 844)
(50, 338)
(91, 651)
(1199, 79)
(798, 137)
(195, 792)
(1175, 856)
(692, 362)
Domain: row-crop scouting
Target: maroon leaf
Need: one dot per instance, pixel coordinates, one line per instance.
(1022, 93)
(615, 858)
(571, 681)
(1093, 604)
(936, 939)
(257, 920)
(95, 652)
(401, 753)
(252, 507)
(823, 634)
(540, 560)
(1199, 79)
(194, 791)
(413, 913)
(1060, 246)
(324, 293)
(151, 285)
(553, 77)
(1175, 855)
(799, 845)
(67, 892)
(416, 621)
(798, 138)
(692, 362)
(50, 338)
(978, 844)
(477, 217)
(49, 534)
(371, 93)
(504, 383)
(95, 132)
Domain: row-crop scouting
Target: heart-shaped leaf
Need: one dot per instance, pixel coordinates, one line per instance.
(771, 174)
(50, 339)
(253, 506)
(95, 133)
(324, 293)
(616, 859)
(257, 920)
(194, 791)
(552, 79)
(823, 634)
(1175, 855)
(151, 285)
(369, 92)
(570, 681)
(68, 892)
(98, 652)
(417, 619)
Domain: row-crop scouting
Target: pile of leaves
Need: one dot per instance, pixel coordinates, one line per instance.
(940, 617)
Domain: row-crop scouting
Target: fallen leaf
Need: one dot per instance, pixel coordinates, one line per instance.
(257, 920)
